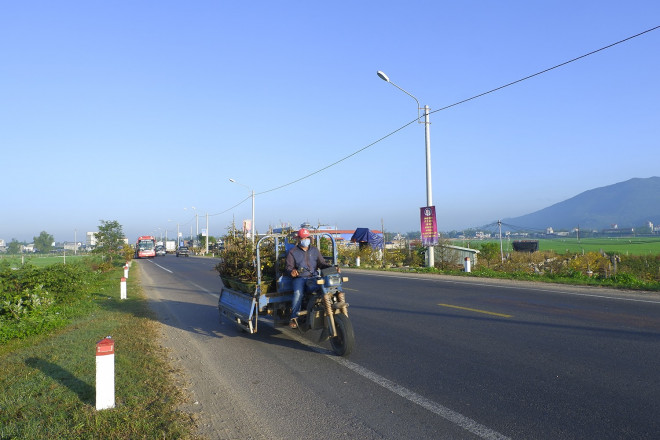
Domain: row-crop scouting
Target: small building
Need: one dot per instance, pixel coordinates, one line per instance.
(91, 239)
(28, 248)
(456, 254)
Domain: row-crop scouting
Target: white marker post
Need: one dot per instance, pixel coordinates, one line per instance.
(126, 271)
(105, 374)
(122, 288)
(467, 264)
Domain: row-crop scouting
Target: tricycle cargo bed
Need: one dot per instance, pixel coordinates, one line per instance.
(242, 308)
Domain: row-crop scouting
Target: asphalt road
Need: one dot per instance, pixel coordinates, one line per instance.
(436, 357)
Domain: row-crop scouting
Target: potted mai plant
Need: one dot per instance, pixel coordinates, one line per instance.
(237, 266)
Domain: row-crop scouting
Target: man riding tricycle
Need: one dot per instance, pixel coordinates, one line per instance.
(307, 292)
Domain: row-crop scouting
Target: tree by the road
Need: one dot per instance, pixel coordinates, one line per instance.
(202, 240)
(14, 246)
(110, 239)
(44, 242)
(490, 252)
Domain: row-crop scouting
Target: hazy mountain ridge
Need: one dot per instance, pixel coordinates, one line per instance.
(627, 204)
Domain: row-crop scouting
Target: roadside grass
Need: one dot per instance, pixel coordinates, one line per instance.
(48, 381)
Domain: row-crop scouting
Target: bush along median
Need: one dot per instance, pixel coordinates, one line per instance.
(51, 321)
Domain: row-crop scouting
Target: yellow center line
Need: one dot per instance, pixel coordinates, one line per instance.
(476, 310)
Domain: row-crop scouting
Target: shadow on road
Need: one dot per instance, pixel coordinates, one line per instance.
(205, 320)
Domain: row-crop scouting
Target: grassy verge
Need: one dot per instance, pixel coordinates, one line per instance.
(48, 381)
(17, 261)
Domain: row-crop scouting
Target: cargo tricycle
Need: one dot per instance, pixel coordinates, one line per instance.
(324, 311)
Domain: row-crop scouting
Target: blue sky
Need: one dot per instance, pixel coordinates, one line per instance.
(139, 111)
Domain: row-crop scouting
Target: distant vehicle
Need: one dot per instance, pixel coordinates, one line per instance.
(182, 251)
(160, 251)
(216, 247)
(145, 247)
(170, 246)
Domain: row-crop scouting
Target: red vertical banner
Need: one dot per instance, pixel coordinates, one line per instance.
(428, 226)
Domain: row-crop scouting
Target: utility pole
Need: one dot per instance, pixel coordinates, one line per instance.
(429, 188)
(427, 137)
(382, 230)
(499, 222)
(207, 234)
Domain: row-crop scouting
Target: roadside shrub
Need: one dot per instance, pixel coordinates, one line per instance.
(30, 301)
(33, 300)
(395, 257)
(645, 267)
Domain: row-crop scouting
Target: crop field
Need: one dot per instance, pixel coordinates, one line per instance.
(621, 246)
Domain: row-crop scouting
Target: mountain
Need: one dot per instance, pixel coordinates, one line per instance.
(628, 204)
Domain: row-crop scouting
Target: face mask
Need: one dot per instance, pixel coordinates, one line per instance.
(304, 242)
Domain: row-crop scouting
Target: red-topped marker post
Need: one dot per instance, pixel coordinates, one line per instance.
(122, 288)
(105, 374)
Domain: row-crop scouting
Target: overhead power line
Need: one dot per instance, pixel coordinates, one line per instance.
(544, 71)
(441, 109)
(236, 205)
(340, 160)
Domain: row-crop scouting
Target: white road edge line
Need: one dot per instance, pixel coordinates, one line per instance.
(165, 269)
(216, 295)
(458, 419)
(464, 422)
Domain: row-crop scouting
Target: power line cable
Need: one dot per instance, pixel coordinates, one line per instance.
(229, 209)
(458, 103)
(340, 160)
(438, 110)
(544, 71)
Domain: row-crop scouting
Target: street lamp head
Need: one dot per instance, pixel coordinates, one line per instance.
(382, 76)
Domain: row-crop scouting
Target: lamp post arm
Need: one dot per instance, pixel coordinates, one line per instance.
(409, 94)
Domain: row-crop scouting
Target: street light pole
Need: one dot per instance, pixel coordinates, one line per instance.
(252, 192)
(427, 140)
(207, 234)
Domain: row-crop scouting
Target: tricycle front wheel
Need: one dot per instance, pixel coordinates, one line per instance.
(344, 342)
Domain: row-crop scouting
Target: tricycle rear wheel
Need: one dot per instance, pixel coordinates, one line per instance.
(344, 342)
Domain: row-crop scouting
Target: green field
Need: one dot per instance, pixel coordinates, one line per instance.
(37, 260)
(621, 246)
